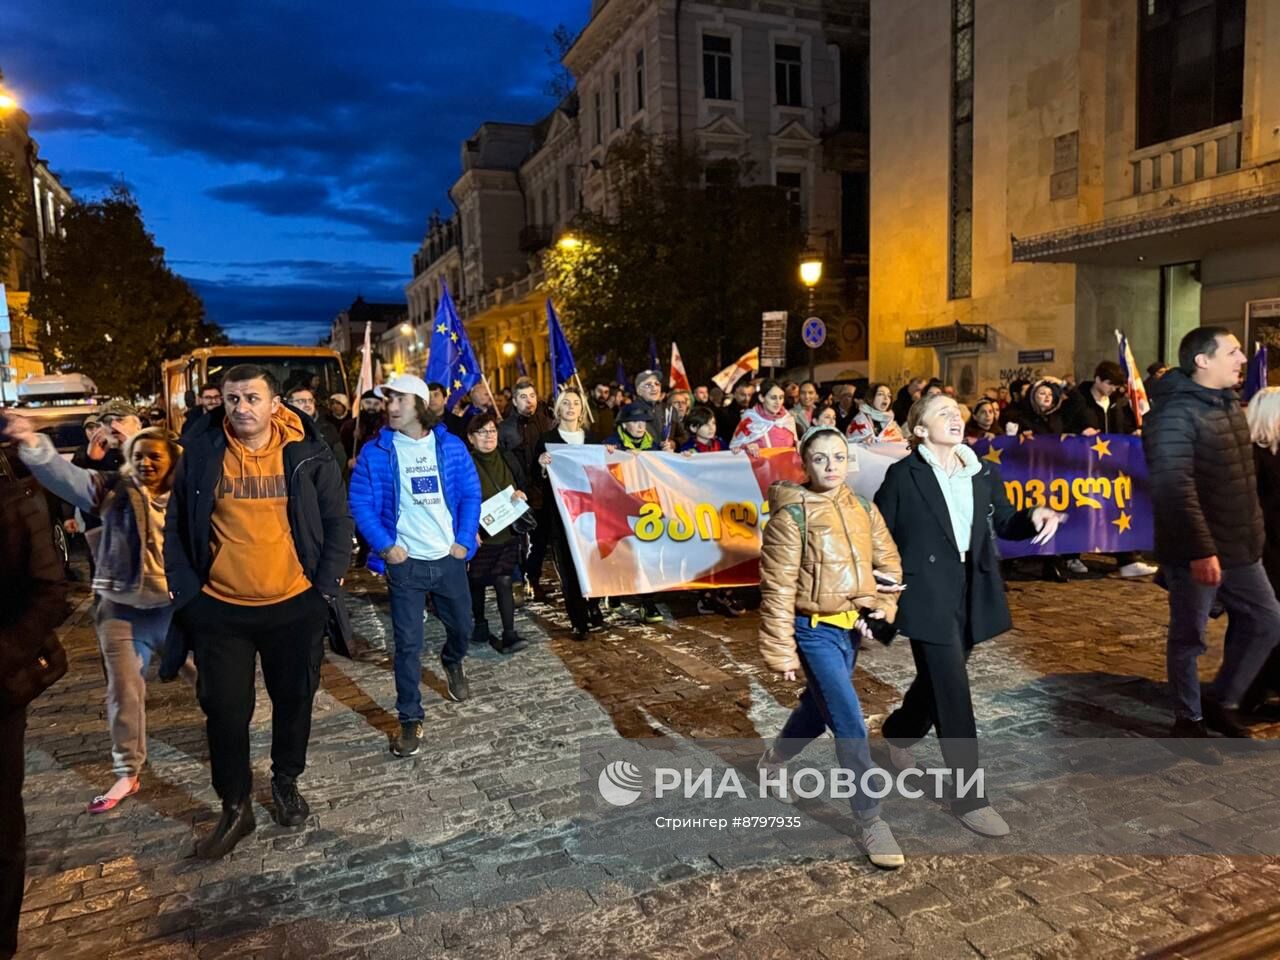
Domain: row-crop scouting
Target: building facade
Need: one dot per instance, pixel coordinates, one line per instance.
(45, 202)
(780, 89)
(1045, 172)
(346, 332)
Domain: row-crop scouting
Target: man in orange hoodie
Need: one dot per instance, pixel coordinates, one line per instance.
(257, 543)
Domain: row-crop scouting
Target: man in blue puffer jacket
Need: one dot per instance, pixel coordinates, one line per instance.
(415, 496)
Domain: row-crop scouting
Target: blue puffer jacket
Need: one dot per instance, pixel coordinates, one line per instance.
(374, 494)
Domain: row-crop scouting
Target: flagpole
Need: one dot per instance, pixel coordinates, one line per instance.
(578, 380)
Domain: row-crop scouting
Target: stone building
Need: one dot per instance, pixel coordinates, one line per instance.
(45, 202)
(1047, 171)
(346, 333)
(781, 88)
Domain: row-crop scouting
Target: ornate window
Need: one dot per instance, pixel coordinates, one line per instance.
(960, 258)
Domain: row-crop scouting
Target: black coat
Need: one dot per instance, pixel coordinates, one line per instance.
(550, 513)
(519, 435)
(1082, 412)
(317, 509)
(1204, 493)
(1268, 467)
(914, 509)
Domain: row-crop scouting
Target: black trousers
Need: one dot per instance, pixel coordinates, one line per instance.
(13, 827)
(578, 607)
(938, 699)
(228, 640)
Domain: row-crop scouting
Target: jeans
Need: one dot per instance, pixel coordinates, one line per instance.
(1253, 627)
(228, 639)
(830, 701)
(13, 826)
(128, 637)
(409, 584)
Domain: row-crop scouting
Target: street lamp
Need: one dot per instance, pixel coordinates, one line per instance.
(508, 348)
(405, 329)
(810, 276)
(7, 102)
(568, 242)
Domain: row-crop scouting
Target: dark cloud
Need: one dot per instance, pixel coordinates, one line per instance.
(357, 107)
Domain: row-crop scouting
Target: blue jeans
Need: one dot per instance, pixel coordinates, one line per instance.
(830, 701)
(409, 584)
(1253, 627)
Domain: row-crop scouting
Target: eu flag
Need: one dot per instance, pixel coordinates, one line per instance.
(451, 360)
(562, 362)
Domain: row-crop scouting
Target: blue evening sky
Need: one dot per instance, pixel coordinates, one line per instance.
(286, 154)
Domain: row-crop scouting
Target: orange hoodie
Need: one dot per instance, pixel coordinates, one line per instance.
(254, 560)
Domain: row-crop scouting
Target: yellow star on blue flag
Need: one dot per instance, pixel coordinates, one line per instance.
(451, 360)
(1102, 448)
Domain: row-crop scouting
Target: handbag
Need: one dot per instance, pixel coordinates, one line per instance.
(30, 672)
(525, 523)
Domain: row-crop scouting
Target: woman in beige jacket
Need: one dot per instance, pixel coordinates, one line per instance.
(823, 547)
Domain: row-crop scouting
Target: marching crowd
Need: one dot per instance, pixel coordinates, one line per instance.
(227, 541)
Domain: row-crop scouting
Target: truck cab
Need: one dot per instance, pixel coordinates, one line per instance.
(319, 367)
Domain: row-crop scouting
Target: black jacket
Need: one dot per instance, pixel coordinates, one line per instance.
(538, 478)
(33, 588)
(1268, 468)
(1082, 412)
(913, 507)
(317, 508)
(1204, 493)
(519, 435)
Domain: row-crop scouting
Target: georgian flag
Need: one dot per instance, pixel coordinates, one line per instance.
(678, 380)
(1137, 392)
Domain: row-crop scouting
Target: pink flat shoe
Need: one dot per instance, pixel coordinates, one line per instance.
(104, 803)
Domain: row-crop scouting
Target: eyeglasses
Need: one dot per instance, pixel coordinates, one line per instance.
(486, 432)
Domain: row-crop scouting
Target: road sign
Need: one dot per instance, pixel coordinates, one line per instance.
(814, 332)
(773, 339)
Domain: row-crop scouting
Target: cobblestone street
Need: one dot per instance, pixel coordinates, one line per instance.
(471, 848)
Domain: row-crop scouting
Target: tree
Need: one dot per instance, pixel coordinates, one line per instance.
(560, 84)
(109, 306)
(688, 249)
(11, 214)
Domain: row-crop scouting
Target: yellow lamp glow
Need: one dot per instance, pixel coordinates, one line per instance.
(7, 102)
(508, 349)
(405, 329)
(811, 269)
(569, 242)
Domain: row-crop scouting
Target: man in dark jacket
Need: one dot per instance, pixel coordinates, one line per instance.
(727, 417)
(1209, 532)
(519, 435)
(32, 604)
(1098, 407)
(257, 543)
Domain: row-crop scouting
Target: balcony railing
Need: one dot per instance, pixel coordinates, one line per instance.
(1197, 156)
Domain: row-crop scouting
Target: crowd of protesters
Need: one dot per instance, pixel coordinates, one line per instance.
(226, 540)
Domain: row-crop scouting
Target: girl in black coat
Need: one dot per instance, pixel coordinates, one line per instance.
(1264, 429)
(945, 509)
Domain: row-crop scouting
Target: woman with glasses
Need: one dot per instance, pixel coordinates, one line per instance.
(496, 560)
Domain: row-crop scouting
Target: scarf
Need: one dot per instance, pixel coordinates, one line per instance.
(627, 443)
(758, 426)
(882, 417)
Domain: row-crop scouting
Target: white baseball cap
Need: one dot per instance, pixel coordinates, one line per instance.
(406, 383)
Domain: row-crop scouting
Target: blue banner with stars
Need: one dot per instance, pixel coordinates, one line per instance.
(451, 361)
(1099, 482)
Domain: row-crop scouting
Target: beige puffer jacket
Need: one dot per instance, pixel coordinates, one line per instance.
(831, 572)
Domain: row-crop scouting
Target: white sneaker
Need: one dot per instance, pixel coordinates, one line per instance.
(985, 822)
(1138, 569)
(901, 758)
(881, 849)
(1076, 565)
(766, 764)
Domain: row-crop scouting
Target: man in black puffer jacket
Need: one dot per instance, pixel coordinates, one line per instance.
(1209, 532)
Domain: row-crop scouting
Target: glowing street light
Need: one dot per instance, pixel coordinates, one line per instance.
(568, 242)
(7, 101)
(405, 329)
(811, 269)
(508, 348)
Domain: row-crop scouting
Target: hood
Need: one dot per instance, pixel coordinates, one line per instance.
(1176, 382)
(1053, 384)
(786, 492)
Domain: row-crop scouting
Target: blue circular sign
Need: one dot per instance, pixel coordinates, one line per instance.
(814, 332)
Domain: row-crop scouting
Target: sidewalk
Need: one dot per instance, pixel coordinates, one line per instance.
(471, 849)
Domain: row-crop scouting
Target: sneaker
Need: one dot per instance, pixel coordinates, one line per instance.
(878, 843)
(985, 822)
(410, 740)
(650, 612)
(707, 606)
(901, 758)
(1076, 565)
(290, 809)
(775, 768)
(512, 643)
(1224, 720)
(595, 618)
(731, 605)
(1138, 569)
(1191, 740)
(456, 682)
(235, 823)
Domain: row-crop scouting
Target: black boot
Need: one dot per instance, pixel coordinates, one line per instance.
(291, 810)
(236, 822)
(1053, 571)
(1223, 720)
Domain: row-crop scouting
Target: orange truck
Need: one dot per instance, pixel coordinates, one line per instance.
(184, 376)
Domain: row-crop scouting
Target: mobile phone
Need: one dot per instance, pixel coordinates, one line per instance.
(885, 579)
